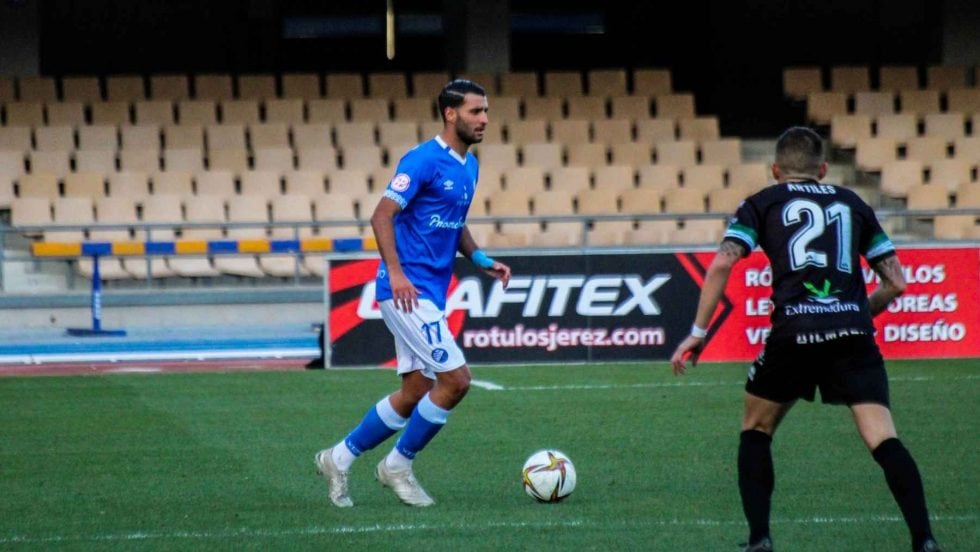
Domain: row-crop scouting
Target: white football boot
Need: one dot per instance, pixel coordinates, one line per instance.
(404, 484)
(335, 477)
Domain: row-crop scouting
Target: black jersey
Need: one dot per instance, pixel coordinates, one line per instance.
(813, 235)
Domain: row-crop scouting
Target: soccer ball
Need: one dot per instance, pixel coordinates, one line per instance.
(548, 476)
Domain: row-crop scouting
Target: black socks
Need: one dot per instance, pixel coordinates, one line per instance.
(756, 481)
(905, 483)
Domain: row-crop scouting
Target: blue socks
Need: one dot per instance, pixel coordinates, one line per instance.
(379, 423)
(426, 420)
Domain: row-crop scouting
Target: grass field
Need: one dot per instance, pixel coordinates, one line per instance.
(224, 461)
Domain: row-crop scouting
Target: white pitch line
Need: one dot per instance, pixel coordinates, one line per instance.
(488, 385)
(412, 527)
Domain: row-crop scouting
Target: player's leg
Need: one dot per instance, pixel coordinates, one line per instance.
(874, 423)
(756, 476)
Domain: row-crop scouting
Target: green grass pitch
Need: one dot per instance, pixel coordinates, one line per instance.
(224, 461)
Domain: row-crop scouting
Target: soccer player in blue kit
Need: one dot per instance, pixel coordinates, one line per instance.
(822, 335)
(420, 224)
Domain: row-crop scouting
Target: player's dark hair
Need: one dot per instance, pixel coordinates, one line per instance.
(799, 151)
(453, 94)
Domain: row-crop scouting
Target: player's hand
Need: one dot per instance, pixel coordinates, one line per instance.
(499, 271)
(404, 294)
(691, 348)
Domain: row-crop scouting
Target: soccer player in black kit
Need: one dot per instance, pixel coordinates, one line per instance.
(822, 335)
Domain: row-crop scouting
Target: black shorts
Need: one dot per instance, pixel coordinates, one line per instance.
(848, 370)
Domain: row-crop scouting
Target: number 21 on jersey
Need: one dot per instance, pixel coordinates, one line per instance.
(815, 220)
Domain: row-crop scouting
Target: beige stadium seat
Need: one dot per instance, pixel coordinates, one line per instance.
(652, 82)
(924, 196)
(244, 209)
(503, 110)
(900, 127)
(213, 86)
(158, 209)
(519, 83)
(633, 154)
(799, 82)
(651, 232)
(614, 178)
(640, 201)
(918, 102)
(335, 207)
(968, 148)
(31, 211)
(373, 109)
(821, 107)
(70, 211)
(950, 173)
(682, 153)
(488, 80)
(53, 162)
(512, 203)
(545, 108)
(634, 108)
(39, 184)
(490, 180)
(351, 182)
(66, 113)
(11, 163)
(154, 112)
(327, 110)
(552, 202)
(546, 155)
(7, 190)
(294, 208)
(304, 86)
(653, 131)
(142, 160)
(37, 89)
(557, 235)
(129, 184)
(366, 158)
(699, 129)
(215, 183)
(872, 154)
(316, 158)
(968, 196)
(268, 135)
(54, 138)
(25, 114)
(312, 135)
(225, 137)
(387, 85)
(173, 183)
(847, 130)
(945, 77)
(564, 84)
(200, 210)
(600, 201)
(726, 200)
(587, 155)
(183, 136)
(344, 85)
(428, 84)
(526, 179)
(752, 176)
(354, 134)
(569, 131)
(17, 139)
(684, 200)
(145, 137)
(233, 160)
(90, 185)
(703, 177)
(963, 100)
(892, 78)
(606, 83)
(266, 184)
(612, 131)
(311, 184)
(498, 156)
(569, 179)
(183, 160)
(197, 112)
(609, 232)
(414, 109)
(98, 161)
(398, 133)
(850, 79)
(81, 89)
(256, 86)
(897, 177)
(169, 87)
(287, 111)
(945, 125)
(7, 90)
(874, 104)
(724, 151)
(514, 234)
(696, 231)
(926, 148)
(125, 88)
(586, 107)
(239, 112)
(676, 106)
(275, 159)
(520, 133)
(954, 227)
(661, 176)
(111, 113)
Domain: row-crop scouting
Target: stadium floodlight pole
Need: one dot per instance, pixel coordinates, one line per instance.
(390, 30)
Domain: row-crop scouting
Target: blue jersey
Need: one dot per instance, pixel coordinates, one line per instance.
(434, 187)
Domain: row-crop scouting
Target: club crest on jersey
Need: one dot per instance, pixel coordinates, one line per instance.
(440, 355)
(448, 185)
(401, 182)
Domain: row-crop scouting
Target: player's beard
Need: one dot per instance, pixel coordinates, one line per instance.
(466, 135)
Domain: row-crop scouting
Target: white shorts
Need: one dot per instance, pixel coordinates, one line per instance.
(422, 339)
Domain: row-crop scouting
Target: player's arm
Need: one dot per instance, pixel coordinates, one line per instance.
(383, 223)
(470, 250)
(892, 284)
(715, 281)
